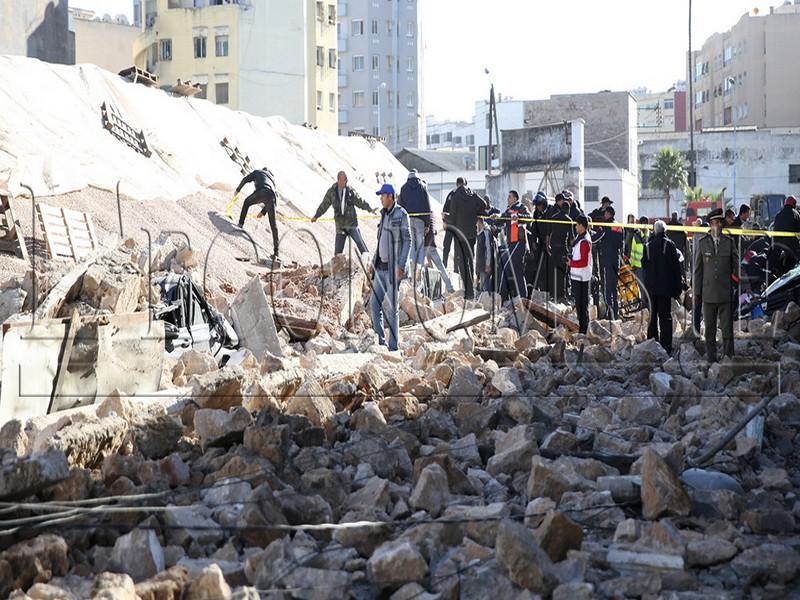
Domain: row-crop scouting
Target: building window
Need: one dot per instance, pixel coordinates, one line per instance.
(165, 50)
(389, 26)
(591, 193)
(332, 102)
(727, 56)
(410, 64)
(448, 137)
(221, 45)
(375, 99)
(203, 93)
(320, 56)
(375, 132)
(389, 98)
(376, 62)
(411, 29)
(390, 133)
(331, 14)
(358, 99)
(698, 71)
(358, 27)
(669, 104)
(319, 100)
(199, 46)
(390, 62)
(221, 91)
(457, 140)
(358, 63)
(374, 26)
(435, 138)
(410, 102)
(427, 140)
(320, 11)
(794, 173)
(332, 58)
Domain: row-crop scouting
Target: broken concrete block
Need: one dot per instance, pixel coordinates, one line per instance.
(395, 563)
(311, 401)
(432, 491)
(523, 560)
(558, 534)
(662, 492)
(219, 427)
(25, 562)
(254, 322)
(112, 284)
(209, 585)
(139, 554)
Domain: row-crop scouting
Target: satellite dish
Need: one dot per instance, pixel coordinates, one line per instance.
(755, 12)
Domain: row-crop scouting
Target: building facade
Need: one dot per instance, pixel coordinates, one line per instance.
(662, 112)
(449, 135)
(748, 75)
(322, 65)
(380, 71)
(37, 29)
(105, 43)
(250, 55)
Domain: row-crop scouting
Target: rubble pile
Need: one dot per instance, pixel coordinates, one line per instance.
(471, 463)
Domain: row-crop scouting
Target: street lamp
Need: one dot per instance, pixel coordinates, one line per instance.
(732, 84)
(380, 93)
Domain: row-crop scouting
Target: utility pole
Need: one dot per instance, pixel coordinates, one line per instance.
(490, 149)
(732, 83)
(692, 172)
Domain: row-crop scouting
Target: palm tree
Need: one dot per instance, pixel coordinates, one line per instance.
(669, 173)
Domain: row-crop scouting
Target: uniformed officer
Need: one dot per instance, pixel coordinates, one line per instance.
(560, 236)
(516, 240)
(715, 274)
(536, 269)
(610, 241)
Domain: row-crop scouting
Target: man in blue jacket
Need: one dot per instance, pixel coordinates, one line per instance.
(388, 267)
(414, 199)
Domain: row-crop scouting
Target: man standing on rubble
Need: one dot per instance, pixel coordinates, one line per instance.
(388, 266)
(663, 279)
(559, 243)
(715, 273)
(610, 241)
(465, 208)
(536, 272)
(787, 220)
(516, 240)
(264, 194)
(677, 236)
(344, 200)
(580, 271)
(414, 199)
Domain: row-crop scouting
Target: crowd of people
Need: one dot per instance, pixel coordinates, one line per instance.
(555, 248)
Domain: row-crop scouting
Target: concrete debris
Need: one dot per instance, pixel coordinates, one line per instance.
(487, 463)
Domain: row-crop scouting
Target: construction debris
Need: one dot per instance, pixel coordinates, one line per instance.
(67, 233)
(120, 129)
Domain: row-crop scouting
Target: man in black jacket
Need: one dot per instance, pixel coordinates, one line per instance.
(677, 237)
(536, 274)
(610, 242)
(464, 210)
(787, 220)
(662, 274)
(414, 198)
(559, 244)
(263, 194)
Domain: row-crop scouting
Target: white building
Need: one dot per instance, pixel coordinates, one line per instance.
(449, 135)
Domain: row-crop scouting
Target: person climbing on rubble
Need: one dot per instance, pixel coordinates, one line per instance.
(580, 270)
(716, 268)
(389, 265)
(344, 200)
(265, 194)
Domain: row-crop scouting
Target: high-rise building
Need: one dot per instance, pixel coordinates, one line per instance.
(251, 55)
(748, 75)
(380, 71)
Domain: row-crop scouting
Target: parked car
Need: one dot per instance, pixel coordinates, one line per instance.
(190, 322)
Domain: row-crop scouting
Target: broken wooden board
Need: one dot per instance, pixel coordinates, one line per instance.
(549, 317)
(110, 352)
(136, 75)
(451, 323)
(498, 355)
(67, 233)
(12, 241)
(299, 330)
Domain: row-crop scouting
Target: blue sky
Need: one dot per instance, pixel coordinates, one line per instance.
(535, 48)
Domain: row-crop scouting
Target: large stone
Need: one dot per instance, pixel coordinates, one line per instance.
(23, 476)
(167, 585)
(14, 438)
(253, 321)
(37, 559)
(709, 550)
(523, 560)
(395, 563)
(464, 386)
(773, 562)
(506, 381)
(431, 492)
(209, 585)
(513, 453)
(662, 491)
(546, 480)
(648, 354)
(375, 493)
(262, 510)
(138, 553)
(221, 428)
(221, 389)
(112, 285)
(400, 405)
(642, 409)
(191, 523)
(478, 522)
(116, 586)
(311, 401)
(86, 443)
(558, 534)
(193, 362)
(271, 442)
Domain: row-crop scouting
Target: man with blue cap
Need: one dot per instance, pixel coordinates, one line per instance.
(388, 266)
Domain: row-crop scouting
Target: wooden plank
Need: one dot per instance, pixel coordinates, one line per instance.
(547, 316)
(298, 329)
(63, 361)
(499, 355)
(45, 231)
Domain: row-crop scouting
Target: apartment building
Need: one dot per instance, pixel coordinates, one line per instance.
(264, 57)
(662, 112)
(748, 75)
(380, 71)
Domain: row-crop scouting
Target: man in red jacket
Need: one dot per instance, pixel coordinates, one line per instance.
(580, 270)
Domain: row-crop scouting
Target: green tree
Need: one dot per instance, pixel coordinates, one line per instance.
(669, 173)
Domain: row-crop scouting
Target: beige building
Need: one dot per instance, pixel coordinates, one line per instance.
(322, 72)
(250, 55)
(105, 43)
(749, 74)
(662, 112)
